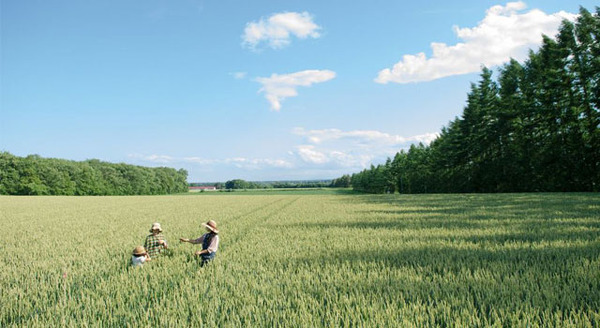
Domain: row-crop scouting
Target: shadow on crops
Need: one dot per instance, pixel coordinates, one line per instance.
(485, 221)
(543, 222)
(502, 278)
(488, 284)
(559, 203)
(456, 230)
(471, 211)
(491, 252)
(487, 212)
(389, 224)
(436, 258)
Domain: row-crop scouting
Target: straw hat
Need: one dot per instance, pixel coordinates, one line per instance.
(211, 225)
(156, 226)
(140, 250)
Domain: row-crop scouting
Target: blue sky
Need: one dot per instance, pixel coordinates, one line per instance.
(258, 90)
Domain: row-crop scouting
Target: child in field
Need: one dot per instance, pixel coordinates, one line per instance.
(139, 257)
(155, 241)
(209, 241)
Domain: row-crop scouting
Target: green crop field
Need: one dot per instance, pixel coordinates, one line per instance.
(304, 260)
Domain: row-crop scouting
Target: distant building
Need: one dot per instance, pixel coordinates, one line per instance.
(202, 188)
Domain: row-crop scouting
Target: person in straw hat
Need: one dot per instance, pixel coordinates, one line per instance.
(209, 241)
(155, 241)
(139, 257)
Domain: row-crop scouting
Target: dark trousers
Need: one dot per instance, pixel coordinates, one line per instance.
(205, 260)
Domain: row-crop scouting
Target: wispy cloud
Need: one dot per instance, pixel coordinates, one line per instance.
(362, 136)
(276, 30)
(277, 87)
(198, 160)
(159, 159)
(239, 75)
(505, 32)
(355, 149)
(239, 162)
(315, 153)
(258, 163)
(310, 155)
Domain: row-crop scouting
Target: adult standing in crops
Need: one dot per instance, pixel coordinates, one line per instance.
(155, 241)
(209, 241)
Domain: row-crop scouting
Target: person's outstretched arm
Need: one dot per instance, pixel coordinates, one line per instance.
(192, 241)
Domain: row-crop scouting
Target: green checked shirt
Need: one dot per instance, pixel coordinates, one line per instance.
(151, 245)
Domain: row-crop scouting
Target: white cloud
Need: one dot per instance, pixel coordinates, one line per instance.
(366, 137)
(278, 87)
(315, 154)
(308, 154)
(277, 30)
(161, 159)
(239, 75)
(240, 162)
(505, 32)
(198, 160)
(352, 150)
(257, 163)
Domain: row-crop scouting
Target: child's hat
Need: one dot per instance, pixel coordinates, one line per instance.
(140, 250)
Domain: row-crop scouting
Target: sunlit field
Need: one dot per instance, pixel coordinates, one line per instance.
(304, 260)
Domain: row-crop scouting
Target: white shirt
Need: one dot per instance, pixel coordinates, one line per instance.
(137, 260)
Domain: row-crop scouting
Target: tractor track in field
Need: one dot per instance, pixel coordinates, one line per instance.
(246, 227)
(254, 210)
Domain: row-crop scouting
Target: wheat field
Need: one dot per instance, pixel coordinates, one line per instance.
(304, 260)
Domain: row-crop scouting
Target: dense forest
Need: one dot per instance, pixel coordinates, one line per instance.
(534, 128)
(34, 175)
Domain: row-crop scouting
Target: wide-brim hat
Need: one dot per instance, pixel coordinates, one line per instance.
(140, 250)
(211, 225)
(156, 226)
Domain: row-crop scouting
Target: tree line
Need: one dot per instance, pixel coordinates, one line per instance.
(34, 175)
(243, 184)
(534, 128)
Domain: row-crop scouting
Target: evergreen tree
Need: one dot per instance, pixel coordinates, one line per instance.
(536, 129)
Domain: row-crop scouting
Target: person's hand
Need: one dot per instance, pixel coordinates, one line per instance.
(161, 242)
(184, 240)
(198, 253)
